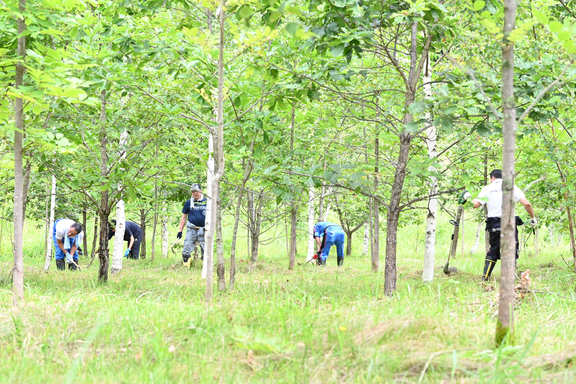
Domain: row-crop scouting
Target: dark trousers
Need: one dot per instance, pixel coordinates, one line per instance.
(493, 254)
(135, 250)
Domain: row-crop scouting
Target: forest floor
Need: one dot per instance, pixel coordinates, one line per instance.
(149, 324)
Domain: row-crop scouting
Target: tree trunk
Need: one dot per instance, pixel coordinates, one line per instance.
(477, 241)
(219, 141)
(94, 241)
(221, 267)
(311, 243)
(366, 239)
(505, 324)
(485, 207)
(247, 172)
(255, 232)
(27, 182)
(430, 237)
(49, 240)
(293, 228)
(143, 214)
(84, 226)
(164, 230)
(46, 222)
(209, 182)
(118, 249)
(536, 232)
(18, 270)
(155, 224)
(376, 211)
(104, 210)
(462, 234)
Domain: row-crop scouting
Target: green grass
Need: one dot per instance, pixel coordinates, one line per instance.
(311, 325)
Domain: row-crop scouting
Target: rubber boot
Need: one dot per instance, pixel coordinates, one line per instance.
(60, 264)
(488, 268)
(186, 261)
(321, 262)
(340, 261)
(72, 266)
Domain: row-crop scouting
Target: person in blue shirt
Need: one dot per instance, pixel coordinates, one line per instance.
(132, 234)
(194, 217)
(326, 235)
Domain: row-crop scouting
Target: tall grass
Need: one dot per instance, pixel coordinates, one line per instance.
(310, 325)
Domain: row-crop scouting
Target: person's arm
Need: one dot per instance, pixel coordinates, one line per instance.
(476, 203)
(61, 245)
(131, 242)
(73, 250)
(527, 206)
(182, 222)
(318, 241)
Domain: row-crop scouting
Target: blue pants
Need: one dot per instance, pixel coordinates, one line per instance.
(59, 254)
(333, 236)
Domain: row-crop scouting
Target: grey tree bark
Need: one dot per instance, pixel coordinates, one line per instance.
(505, 323)
(18, 270)
(48, 256)
(247, 172)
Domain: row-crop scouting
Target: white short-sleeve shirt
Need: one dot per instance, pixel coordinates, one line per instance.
(493, 192)
(62, 228)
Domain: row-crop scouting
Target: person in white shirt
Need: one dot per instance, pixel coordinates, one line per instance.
(67, 235)
(491, 195)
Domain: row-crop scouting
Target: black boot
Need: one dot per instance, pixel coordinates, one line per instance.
(72, 267)
(488, 268)
(60, 264)
(340, 261)
(321, 262)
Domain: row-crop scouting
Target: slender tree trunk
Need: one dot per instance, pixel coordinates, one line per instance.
(366, 239)
(117, 253)
(94, 241)
(143, 215)
(155, 224)
(104, 210)
(311, 243)
(430, 238)
(164, 230)
(376, 211)
(256, 229)
(477, 241)
(293, 228)
(27, 182)
(48, 256)
(485, 207)
(536, 246)
(46, 221)
(84, 226)
(219, 140)
(247, 172)
(209, 182)
(18, 270)
(462, 234)
(505, 324)
(221, 268)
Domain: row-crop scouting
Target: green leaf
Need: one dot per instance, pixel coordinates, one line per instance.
(479, 4)
(555, 26)
(564, 35)
(411, 127)
(258, 151)
(291, 28)
(337, 50)
(417, 107)
(37, 109)
(482, 129)
(540, 16)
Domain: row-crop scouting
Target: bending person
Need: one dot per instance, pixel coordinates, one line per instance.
(326, 235)
(132, 234)
(66, 235)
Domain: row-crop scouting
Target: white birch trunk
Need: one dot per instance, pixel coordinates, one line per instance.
(430, 240)
(118, 249)
(311, 242)
(209, 177)
(477, 241)
(48, 257)
(164, 232)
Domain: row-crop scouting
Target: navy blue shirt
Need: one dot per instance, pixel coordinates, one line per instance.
(196, 213)
(130, 229)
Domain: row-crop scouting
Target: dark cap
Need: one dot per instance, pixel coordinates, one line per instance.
(196, 187)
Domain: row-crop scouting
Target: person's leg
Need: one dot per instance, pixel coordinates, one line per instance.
(58, 255)
(492, 256)
(339, 241)
(201, 242)
(135, 251)
(188, 246)
(326, 250)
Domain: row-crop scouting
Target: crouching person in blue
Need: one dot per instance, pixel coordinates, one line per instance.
(194, 217)
(132, 234)
(328, 234)
(67, 235)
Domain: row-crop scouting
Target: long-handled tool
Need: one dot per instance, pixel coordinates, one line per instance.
(456, 223)
(172, 247)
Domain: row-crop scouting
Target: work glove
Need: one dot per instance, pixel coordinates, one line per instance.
(464, 197)
(179, 235)
(533, 222)
(69, 258)
(127, 252)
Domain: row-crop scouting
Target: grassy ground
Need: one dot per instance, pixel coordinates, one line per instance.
(311, 325)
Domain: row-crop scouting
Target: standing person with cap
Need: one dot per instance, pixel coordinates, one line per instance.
(194, 217)
(491, 195)
(132, 234)
(67, 235)
(326, 235)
